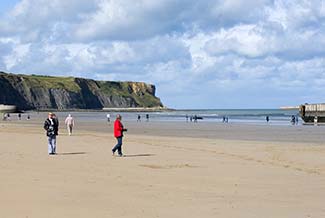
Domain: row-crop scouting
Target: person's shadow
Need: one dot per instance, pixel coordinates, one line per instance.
(138, 155)
(72, 153)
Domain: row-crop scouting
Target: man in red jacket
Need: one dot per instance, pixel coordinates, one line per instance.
(118, 134)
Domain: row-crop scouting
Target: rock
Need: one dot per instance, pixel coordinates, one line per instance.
(61, 93)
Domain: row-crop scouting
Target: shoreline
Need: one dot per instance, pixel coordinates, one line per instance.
(139, 109)
(211, 130)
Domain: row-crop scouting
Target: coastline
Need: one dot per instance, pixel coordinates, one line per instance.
(138, 109)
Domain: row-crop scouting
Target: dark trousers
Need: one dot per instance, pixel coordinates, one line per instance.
(118, 146)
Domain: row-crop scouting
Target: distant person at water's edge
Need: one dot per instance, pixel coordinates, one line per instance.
(51, 125)
(297, 120)
(118, 134)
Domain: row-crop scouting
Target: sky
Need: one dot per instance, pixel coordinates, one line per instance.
(200, 54)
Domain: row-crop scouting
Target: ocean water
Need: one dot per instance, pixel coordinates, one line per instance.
(248, 116)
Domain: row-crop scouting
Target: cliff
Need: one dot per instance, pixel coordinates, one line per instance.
(47, 92)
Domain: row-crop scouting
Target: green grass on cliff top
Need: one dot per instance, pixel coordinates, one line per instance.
(50, 82)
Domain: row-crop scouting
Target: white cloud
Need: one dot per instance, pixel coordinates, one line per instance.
(246, 40)
(246, 51)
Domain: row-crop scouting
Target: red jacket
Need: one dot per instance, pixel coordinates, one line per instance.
(118, 128)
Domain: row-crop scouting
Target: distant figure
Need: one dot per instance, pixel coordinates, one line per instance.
(315, 120)
(69, 121)
(147, 117)
(19, 116)
(223, 119)
(227, 119)
(139, 118)
(293, 120)
(8, 116)
(297, 120)
(191, 118)
(51, 125)
(108, 117)
(28, 117)
(118, 134)
(267, 119)
(186, 118)
(195, 118)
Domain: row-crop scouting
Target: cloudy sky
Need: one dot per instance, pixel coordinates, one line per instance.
(199, 54)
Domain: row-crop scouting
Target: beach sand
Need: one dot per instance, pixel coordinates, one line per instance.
(169, 170)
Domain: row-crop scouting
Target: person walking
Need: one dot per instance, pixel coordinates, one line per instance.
(108, 116)
(297, 120)
(51, 125)
(69, 121)
(293, 120)
(195, 118)
(118, 134)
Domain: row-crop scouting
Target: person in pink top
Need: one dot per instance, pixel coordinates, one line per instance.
(69, 121)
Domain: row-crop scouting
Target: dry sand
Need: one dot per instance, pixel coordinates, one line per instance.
(170, 170)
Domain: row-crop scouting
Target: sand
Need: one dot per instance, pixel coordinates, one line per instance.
(169, 170)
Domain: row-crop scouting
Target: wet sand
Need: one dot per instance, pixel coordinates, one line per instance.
(170, 169)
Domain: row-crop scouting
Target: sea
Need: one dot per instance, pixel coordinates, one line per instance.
(241, 116)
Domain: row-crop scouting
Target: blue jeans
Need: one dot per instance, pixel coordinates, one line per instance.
(51, 144)
(118, 146)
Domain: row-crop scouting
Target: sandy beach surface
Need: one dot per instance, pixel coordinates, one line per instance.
(170, 169)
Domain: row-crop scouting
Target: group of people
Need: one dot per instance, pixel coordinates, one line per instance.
(139, 118)
(51, 126)
(192, 118)
(225, 119)
(294, 119)
(108, 116)
(7, 116)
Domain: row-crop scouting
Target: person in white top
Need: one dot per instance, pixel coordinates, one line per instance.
(69, 121)
(108, 117)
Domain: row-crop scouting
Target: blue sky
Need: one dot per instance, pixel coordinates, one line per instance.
(6, 5)
(199, 54)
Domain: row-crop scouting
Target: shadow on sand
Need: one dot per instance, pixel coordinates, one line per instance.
(138, 155)
(72, 153)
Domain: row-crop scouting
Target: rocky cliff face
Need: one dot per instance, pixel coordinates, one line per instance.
(44, 92)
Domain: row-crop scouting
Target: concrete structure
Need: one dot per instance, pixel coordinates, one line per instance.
(7, 108)
(312, 113)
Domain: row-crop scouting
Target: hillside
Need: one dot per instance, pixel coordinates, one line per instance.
(47, 92)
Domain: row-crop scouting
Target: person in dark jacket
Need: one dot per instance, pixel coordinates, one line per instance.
(118, 134)
(51, 125)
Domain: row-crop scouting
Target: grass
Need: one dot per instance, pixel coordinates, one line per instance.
(49, 82)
